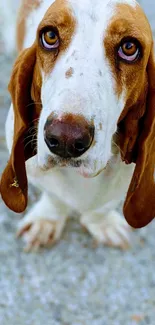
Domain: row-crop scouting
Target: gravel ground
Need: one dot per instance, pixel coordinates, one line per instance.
(73, 283)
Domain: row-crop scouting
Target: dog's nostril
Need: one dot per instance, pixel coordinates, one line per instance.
(53, 142)
(79, 146)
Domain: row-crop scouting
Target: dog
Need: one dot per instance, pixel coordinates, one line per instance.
(81, 125)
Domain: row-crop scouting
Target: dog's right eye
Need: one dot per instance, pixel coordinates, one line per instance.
(49, 40)
(129, 50)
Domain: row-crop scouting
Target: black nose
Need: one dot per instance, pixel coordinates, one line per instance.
(69, 137)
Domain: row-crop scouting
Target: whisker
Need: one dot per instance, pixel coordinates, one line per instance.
(32, 128)
(34, 137)
(31, 141)
(116, 145)
(35, 149)
(34, 103)
(30, 136)
(35, 120)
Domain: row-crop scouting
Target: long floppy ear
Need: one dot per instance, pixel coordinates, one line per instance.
(14, 179)
(139, 207)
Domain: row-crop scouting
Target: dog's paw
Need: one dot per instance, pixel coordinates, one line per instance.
(39, 233)
(110, 229)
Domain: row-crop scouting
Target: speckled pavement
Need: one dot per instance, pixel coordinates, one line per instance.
(74, 283)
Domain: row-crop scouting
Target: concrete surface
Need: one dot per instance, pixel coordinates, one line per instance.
(74, 283)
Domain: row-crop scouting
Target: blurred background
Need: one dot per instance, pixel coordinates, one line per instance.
(74, 283)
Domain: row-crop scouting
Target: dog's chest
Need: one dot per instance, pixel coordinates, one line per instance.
(84, 194)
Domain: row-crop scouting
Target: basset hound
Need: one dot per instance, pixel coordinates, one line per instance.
(81, 126)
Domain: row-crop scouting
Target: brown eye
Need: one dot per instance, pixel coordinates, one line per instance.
(129, 48)
(50, 40)
(129, 51)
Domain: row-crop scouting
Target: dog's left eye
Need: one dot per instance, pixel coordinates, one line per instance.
(49, 40)
(129, 51)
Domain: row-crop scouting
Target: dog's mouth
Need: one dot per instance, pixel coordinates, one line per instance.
(67, 162)
(83, 167)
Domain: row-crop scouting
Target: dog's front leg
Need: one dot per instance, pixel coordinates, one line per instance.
(44, 223)
(107, 226)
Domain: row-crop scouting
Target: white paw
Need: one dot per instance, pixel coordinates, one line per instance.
(110, 230)
(39, 233)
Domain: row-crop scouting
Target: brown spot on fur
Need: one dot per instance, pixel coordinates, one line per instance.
(69, 73)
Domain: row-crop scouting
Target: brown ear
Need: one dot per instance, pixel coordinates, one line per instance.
(139, 207)
(14, 180)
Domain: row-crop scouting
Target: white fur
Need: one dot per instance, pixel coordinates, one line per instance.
(89, 92)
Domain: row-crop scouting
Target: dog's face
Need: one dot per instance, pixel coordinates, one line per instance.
(92, 58)
(89, 75)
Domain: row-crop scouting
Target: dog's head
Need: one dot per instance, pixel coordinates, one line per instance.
(87, 81)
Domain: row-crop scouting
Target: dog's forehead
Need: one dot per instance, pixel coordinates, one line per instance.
(97, 7)
(102, 14)
(98, 10)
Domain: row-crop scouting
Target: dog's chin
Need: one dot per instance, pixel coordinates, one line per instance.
(89, 173)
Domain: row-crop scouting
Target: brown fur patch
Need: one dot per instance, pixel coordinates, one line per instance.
(69, 73)
(130, 78)
(36, 91)
(128, 22)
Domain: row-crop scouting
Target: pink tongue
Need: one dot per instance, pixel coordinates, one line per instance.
(83, 173)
